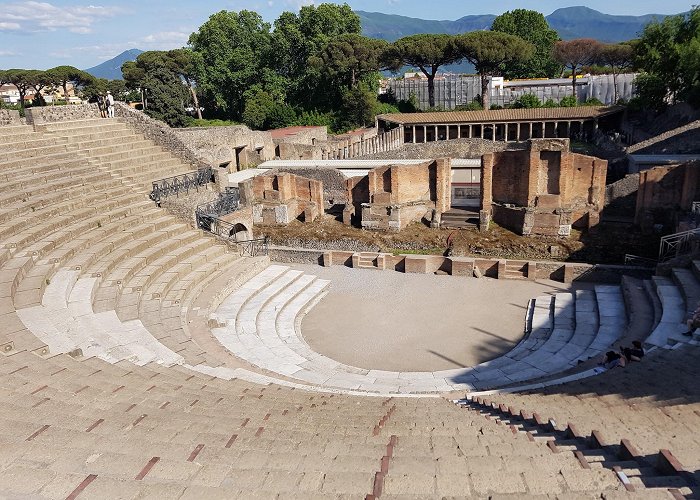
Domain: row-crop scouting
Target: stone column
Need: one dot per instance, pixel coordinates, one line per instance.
(517, 132)
(544, 130)
(425, 133)
(556, 130)
(436, 134)
(459, 131)
(482, 130)
(493, 132)
(529, 135)
(414, 134)
(505, 131)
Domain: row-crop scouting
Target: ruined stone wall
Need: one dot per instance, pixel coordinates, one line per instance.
(457, 148)
(333, 181)
(291, 151)
(9, 117)
(50, 114)
(306, 136)
(156, 131)
(217, 145)
(510, 177)
(668, 188)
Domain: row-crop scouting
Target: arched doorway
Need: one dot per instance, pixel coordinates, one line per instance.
(239, 232)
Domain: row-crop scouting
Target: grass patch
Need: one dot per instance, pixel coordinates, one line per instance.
(426, 251)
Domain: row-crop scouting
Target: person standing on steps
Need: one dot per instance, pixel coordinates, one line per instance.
(109, 100)
(101, 104)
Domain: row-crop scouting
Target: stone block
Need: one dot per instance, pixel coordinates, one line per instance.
(416, 264)
(569, 273)
(547, 201)
(484, 220)
(327, 259)
(502, 269)
(532, 271)
(461, 266)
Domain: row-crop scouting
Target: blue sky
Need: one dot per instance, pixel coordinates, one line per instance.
(83, 33)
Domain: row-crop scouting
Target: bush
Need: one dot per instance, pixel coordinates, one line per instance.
(568, 102)
(550, 103)
(651, 91)
(384, 108)
(527, 101)
(212, 123)
(593, 102)
(496, 106)
(472, 106)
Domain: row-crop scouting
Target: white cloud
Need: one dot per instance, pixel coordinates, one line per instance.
(7, 53)
(35, 16)
(166, 37)
(5, 26)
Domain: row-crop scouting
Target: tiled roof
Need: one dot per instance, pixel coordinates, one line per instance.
(501, 115)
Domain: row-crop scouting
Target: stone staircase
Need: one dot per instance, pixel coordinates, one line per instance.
(457, 218)
(663, 137)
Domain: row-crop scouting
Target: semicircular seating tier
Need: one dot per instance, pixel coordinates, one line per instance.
(112, 385)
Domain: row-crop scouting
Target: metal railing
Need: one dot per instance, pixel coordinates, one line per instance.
(255, 247)
(675, 245)
(180, 184)
(636, 260)
(226, 203)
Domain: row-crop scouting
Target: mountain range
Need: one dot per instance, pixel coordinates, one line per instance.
(570, 22)
(112, 69)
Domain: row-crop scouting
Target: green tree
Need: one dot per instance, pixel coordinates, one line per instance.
(619, 57)
(182, 62)
(490, 52)
(669, 51)
(297, 38)
(358, 107)
(573, 54)
(164, 93)
(63, 75)
(531, 26)
(350, 57)
(23, 80)
(230, 49)
(427, 52)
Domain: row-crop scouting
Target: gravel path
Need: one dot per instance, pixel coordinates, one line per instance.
(417, 322)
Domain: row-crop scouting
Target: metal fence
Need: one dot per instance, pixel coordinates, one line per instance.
(180, 184)
(226, 203)
(675, 245)
(452, 91)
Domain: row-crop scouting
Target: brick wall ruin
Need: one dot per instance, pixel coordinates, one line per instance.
(666, 191)
(279, 198)
(232, 148)
(545, 190)
(393, 196)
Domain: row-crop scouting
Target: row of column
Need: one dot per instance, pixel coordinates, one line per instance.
(523, 131)
(344, 150)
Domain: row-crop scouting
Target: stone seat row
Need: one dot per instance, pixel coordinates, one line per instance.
(260, 323)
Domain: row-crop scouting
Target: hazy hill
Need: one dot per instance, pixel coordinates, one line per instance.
(570, 22)
(112, 69)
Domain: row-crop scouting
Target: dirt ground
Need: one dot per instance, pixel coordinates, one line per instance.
(604, 244)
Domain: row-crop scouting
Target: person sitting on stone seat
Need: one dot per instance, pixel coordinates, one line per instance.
(693, 322)
(613, 359)
(634, 353)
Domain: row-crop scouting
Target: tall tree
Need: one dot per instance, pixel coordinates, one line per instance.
(573, 54)
(531, 26)
(427, 52)
(619, 57)
(154, 73)
(63, 75)
(22, 79)
(490, 52)
(297, 38)
(231, 48)
(349, 57)
(182, 62)
(669, 53)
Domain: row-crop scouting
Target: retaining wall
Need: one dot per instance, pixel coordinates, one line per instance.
(50, 114)
(466, 267)
(9, 117)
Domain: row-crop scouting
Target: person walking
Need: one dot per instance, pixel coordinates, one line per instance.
(109, 100)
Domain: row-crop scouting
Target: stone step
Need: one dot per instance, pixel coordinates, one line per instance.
(689, 287)
(672, 324)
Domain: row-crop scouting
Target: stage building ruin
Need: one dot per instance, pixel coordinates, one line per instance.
(393, 196)
(544, 190)
(279, 198)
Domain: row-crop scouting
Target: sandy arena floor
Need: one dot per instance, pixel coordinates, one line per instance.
(417, 322)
